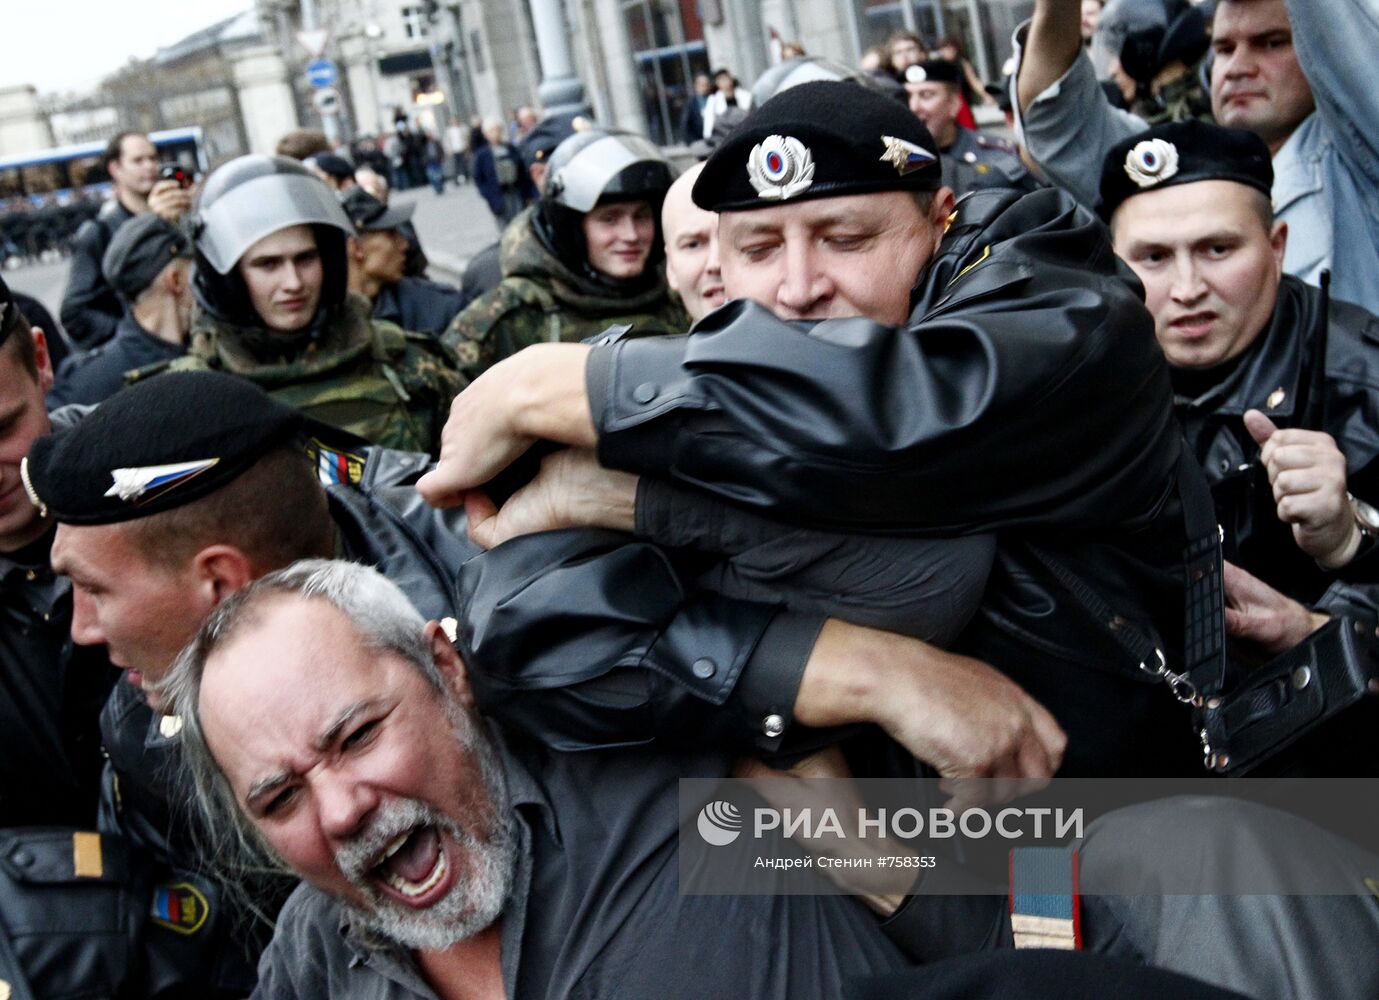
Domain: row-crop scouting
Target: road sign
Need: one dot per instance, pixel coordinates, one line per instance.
(314, 41)
(327, 100)
(322, 73)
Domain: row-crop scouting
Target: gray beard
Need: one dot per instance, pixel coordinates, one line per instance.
(485, 866)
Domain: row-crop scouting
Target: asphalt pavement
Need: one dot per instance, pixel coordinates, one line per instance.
(453, 227)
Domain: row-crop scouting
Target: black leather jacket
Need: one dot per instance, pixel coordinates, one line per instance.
(1276, 375)
(90, 308)
(1027, 396)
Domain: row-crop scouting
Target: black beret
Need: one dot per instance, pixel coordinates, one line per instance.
(541, 141)
(934, 71)
(1182, 153)
(155, 446)
(370, 215)
(141, 248)
(819, 140)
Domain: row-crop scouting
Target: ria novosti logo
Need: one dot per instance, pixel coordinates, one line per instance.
(720, 823)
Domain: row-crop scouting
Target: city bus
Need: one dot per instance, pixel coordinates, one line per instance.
(74, 173)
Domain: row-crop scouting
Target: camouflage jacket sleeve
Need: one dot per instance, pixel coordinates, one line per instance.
(430, 377)
(497, 324)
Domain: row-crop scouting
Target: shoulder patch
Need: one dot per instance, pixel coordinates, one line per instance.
(334, 466)
(180, 907)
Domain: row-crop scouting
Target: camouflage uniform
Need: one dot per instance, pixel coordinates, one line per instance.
(371, 378)
(1178, 101)
(541, 300)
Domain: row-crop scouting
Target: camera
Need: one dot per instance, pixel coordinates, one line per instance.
(172, 172)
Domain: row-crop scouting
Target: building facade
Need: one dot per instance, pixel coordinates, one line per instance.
(436, 62)
(433, 62)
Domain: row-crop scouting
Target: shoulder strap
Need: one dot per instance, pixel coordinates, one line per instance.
(1204, 638)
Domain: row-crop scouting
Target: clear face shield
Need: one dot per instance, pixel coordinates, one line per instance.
(580, 183)
(260, 206)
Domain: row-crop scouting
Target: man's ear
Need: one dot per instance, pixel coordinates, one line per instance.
(448, 662)
(1278, 242)
(941, 208)
(43, 361)
(221, 570)
(354, 248)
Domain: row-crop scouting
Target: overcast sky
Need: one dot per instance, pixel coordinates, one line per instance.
(60, 45)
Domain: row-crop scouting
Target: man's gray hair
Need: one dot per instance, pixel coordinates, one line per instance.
(385, 621)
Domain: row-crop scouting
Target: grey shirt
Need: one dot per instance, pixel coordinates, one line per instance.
(596, 908)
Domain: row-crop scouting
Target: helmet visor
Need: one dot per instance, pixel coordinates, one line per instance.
(245, 214)
(582, 181)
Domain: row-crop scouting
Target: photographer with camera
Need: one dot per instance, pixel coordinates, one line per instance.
(90, 308)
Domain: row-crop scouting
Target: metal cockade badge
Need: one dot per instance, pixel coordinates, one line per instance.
(1151, 162)
(780, 167)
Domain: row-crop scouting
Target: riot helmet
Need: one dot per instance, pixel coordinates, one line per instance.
(252, 197)
(600, 167)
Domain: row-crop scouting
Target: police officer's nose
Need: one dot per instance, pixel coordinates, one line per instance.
(1188, 287)
(86, 630)
(804, 288)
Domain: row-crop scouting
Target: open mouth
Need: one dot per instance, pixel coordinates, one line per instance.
(1194, 325)
(414, 866)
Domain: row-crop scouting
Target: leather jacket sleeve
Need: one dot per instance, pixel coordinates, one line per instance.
(928, 588)
(1027, 389)
(582, 638)
(585, 639)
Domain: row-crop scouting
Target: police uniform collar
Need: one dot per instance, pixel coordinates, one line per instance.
(1271, 367)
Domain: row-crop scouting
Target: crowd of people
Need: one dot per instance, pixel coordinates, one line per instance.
(359, 628)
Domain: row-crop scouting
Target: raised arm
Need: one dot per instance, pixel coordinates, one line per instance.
(1335, 43)
(1063, 117)
(1052, 45)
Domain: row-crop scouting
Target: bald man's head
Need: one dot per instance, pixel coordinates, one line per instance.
(691, 236)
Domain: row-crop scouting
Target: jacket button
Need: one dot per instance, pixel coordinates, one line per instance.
(646, 392)
(773, 725)
(22, 858)
(1225, 466)
(704, 668)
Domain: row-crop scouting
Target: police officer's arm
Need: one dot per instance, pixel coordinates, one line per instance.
(969, 421)
(90, 311)
(560, 655)
(1258, 614)
(921, 587)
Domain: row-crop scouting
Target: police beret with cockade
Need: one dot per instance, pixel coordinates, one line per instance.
(1182, 153)
(819, 140)
(935, 71)
(155, 446)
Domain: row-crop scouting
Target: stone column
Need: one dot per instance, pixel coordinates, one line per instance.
(560, 91)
